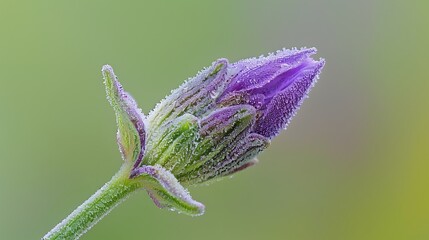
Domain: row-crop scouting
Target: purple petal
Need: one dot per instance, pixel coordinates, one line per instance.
(284, 105)
(256, 73)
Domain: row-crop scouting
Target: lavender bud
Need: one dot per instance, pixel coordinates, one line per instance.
(213, 125)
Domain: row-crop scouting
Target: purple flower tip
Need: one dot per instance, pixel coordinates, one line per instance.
(275, 85)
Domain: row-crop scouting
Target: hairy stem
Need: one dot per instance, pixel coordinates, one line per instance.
(96, 207)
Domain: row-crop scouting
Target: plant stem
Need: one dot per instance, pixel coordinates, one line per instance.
(96, 207)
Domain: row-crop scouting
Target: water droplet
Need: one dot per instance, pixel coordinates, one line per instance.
(214, 94)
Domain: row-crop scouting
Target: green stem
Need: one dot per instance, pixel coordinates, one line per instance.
(96, 207)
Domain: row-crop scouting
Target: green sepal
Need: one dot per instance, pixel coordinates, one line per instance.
(172, 146)
(232, 159)
(131, 134)
(166, 191)
(219, 131)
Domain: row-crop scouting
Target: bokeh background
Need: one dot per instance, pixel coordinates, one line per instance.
(354, 163)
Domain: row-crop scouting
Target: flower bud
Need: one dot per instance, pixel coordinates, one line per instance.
(213, 125)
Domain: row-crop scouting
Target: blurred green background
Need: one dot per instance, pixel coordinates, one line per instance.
(353, 164)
